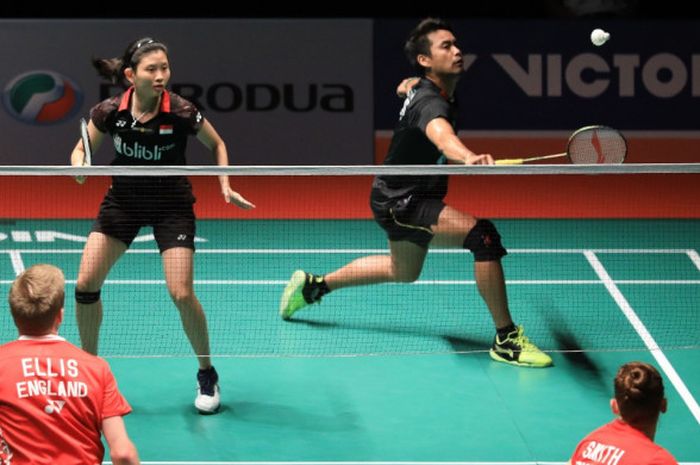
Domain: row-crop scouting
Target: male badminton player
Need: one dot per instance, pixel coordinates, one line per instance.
(57, 401)
(411, 209)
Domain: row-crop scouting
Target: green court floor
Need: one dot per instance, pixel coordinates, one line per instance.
(391, 373)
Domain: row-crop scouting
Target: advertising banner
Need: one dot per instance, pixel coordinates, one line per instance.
(279, 91)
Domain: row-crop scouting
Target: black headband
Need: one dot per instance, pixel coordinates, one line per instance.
(142, 43)
(137, 46)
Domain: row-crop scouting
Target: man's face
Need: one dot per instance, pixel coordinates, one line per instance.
(445, 57)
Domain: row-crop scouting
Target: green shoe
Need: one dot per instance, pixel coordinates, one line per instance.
(293, 297)
(517, 349)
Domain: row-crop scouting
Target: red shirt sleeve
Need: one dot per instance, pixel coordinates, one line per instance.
(113, 403)
(663, 457)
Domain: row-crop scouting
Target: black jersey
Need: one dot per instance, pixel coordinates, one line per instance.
(410, 146)
(160, 141)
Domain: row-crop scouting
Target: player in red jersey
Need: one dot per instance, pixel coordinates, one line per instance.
(56, 399)
(629, 440)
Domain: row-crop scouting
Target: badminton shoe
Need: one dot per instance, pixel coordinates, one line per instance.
(303, 289)
(517, 349)
(207, 401)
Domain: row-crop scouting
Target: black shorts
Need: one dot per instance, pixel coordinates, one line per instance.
(173, 220)
(408, 218)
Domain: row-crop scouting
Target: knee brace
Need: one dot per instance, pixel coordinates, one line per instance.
(87, 297)
(484, 242)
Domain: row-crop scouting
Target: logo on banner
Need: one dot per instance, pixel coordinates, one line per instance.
(42, 97)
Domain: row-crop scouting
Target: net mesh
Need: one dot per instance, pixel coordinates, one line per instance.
(598, 260)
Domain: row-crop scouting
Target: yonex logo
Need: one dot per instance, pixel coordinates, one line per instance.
(54, 406)
(182, 237)
(42, 97)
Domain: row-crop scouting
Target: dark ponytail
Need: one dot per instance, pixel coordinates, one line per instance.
(112, 69)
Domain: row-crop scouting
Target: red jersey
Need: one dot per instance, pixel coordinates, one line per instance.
(53, 398)
(618, 443)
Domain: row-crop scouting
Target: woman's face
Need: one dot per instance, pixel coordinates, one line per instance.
(152, 74)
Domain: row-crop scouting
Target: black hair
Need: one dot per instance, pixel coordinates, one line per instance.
(113, 68)
(639, 391)
(418, 42)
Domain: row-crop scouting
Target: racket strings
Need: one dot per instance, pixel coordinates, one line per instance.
(597, 145)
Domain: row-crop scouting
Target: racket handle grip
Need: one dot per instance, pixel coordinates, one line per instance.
(509, 161)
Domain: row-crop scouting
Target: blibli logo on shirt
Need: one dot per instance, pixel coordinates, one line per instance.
(139, 151)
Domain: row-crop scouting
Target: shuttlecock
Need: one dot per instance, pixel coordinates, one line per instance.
(599, 37)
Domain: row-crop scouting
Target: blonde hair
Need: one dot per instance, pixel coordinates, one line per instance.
(36, 297)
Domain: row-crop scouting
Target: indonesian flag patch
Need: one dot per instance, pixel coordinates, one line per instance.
(165, 129)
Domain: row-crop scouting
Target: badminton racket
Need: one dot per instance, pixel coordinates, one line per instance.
(593, 145)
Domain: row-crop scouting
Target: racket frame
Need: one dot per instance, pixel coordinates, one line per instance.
(87, 147)
(520, 161)
(593, 128)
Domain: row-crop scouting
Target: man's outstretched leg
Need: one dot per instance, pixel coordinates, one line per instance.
(483, 240)
(403, 265)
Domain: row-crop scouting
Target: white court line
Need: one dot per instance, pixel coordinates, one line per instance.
(658, 281)
(363, 251)
(644, 334)
(431, 251)
(602, 251)
(17, 262)
(695, 258)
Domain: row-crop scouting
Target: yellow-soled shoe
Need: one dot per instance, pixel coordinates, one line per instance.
(516, 349)
(293, 297)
